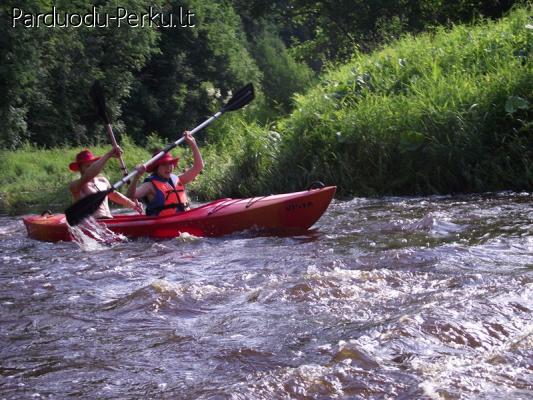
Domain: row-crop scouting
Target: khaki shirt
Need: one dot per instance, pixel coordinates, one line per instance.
(98, 184)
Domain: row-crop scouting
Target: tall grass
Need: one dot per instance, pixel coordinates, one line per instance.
(239, 158)
(442, 112)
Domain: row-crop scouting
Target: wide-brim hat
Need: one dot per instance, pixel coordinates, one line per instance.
(166, 159)
(83, 157)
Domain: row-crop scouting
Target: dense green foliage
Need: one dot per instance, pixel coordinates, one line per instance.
(165, 80)
(324, 31)
(160, 80)
(442, 112)
(49, 72)
(194, 69)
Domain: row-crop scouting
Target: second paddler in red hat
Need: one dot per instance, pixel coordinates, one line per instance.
(164, 192)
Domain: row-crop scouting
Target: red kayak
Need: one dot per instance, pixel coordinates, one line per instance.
(275, 213)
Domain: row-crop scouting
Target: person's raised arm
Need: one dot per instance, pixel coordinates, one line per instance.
(93, 170)
(198, 165)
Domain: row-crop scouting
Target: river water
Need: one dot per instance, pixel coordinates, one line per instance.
(396, 298)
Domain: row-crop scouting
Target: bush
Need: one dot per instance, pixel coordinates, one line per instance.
(442, 112)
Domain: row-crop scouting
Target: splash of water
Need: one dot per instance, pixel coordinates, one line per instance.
(89, 235)
(185, 237)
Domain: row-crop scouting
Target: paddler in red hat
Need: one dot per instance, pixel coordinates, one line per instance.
(89, 166)
(163, 192)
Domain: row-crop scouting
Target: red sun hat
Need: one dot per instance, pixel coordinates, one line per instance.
(83, 157)
(166, 159)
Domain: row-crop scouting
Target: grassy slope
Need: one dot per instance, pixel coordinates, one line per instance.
(443, 112)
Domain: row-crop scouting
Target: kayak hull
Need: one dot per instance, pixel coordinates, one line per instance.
(275, 213)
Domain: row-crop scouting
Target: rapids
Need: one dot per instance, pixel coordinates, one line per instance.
(393, 298)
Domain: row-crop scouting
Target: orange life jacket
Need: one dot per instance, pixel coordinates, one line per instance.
(169, 198)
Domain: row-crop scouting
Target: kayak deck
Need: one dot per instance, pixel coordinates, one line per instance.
(282, 212)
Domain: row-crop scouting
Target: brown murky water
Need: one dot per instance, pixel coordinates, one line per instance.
(396, 298)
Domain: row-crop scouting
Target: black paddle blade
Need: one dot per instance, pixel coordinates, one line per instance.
(85, 207)
(240, 99)
(97, 94)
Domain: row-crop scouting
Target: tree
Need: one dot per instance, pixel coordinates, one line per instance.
(47, 72)
(176, 88)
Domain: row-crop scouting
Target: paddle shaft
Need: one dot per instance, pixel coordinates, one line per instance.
(109, 130)
(165, 150)
(97, 94)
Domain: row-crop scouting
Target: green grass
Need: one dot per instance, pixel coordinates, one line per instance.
(239, 159)
(443, 112)
(34, 179)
